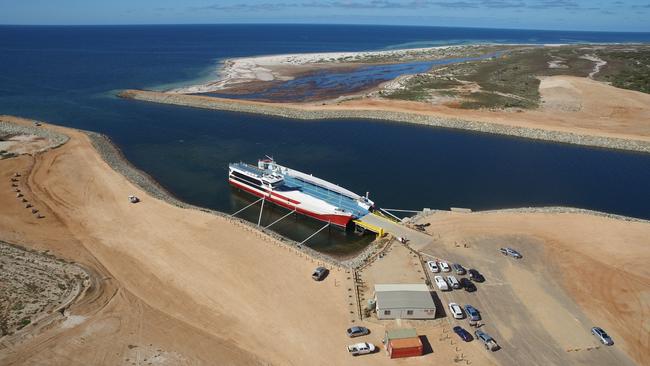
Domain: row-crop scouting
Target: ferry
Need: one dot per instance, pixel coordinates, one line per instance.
(298, 191)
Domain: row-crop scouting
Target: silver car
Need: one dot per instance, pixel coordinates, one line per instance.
(602, 336)
(357, 331)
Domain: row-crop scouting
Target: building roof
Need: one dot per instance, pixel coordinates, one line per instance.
(401, 287)
(405, 343)
(401, 333)
(408, 296)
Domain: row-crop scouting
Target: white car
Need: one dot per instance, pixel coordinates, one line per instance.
(453, 282)
(361, 348)
(444, 266)
(433, 266)
(441, 283)
(456, 311)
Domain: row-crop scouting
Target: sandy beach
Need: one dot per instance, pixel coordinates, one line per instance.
(180, 286)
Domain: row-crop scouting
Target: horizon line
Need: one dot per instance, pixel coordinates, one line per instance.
(314, 24)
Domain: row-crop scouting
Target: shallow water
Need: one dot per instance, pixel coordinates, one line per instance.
(68, 75)
(328, 84)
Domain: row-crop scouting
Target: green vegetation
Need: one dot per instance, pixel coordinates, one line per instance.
(511, 81)
(421, 85)
(627, 68)
(23, 323)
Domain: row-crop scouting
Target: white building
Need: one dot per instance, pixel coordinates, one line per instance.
(404, 301)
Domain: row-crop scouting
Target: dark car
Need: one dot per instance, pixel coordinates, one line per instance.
(475, 276)
(319, 273)
(467, 285)
(463, 334)
(458, 269)
(357, 331)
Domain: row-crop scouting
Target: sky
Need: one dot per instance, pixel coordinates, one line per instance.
(595, 15)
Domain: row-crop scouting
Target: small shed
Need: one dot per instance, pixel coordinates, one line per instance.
(404, 301)
(403, 343)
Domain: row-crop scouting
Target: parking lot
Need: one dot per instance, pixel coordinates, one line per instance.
(521, 304)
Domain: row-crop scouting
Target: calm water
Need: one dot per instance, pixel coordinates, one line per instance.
(68, 75)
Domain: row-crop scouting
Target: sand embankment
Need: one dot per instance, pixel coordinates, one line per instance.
(576, 111)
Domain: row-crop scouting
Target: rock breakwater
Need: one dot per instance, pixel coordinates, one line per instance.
(295, 112)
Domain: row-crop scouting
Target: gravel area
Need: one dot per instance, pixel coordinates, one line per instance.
(484, 127)
(9, 129)
(34, 286)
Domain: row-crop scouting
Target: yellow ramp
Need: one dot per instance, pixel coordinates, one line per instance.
(381, 226)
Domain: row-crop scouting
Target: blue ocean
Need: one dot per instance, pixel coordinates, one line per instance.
(69, 76)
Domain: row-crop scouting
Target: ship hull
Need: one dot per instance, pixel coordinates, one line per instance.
(338, 220)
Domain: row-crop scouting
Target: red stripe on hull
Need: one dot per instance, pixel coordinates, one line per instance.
(339, 220)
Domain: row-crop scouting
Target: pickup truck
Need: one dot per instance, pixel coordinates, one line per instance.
(361, 348)
(489, 342)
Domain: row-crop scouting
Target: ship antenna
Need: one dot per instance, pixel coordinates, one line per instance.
(269, 157)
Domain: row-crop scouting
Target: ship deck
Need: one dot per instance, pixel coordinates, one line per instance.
(324, 194)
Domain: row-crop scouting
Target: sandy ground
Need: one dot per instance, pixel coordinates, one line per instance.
(175, 286)
(570, 104)
(578, 271)
(170, 285)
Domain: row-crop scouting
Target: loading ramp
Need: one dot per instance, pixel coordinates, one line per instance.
(381, 226)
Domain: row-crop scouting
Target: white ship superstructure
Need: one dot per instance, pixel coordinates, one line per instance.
(295, 190)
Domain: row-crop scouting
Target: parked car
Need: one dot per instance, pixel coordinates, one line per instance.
(433, 266)
(453, 282)
(462, 333)
(472, 313)
(489, 342)
(441, 283)
(458, 269)
(319, 273)
(361, 348)
(456, 311)
(511, 252)
(444, 266)
(475, 276)
(602, 336)
(357, 331)
(468, 285)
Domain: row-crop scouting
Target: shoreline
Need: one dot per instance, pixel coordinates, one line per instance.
(314, 113)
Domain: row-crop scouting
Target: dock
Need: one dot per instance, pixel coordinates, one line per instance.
(381, 226)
